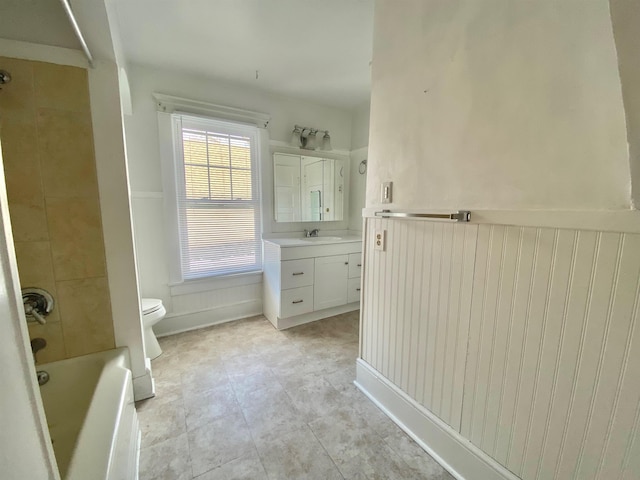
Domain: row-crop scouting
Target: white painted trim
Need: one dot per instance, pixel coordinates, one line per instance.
(283, 147)
(284, 323)
(454, 452)
(170, 104)
(115, 208)
(154, 195)
(215, 283)
(144, 387)
(42, 53)
(627, 221)
(185, 322)
(362, 151)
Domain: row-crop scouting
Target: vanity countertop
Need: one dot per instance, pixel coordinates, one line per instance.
(309, 241)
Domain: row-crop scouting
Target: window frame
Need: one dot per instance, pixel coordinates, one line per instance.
(172, 157)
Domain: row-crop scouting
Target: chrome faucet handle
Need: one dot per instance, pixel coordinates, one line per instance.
(307, 233)
(38, 303)
(32, 311)
(314, 232)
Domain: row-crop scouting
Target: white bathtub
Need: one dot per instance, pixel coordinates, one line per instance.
(92, 419)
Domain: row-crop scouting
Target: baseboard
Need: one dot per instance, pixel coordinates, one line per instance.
(284, 323)
(173, 324)
(454, 452)
(144, 387)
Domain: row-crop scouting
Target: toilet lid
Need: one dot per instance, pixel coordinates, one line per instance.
(150, 305)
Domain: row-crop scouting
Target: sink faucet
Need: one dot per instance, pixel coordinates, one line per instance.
(311, 233)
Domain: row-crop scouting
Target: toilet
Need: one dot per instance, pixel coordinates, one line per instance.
(152, 312)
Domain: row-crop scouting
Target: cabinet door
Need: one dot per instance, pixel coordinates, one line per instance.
(330, 282)
(355, 265)
(354, 290)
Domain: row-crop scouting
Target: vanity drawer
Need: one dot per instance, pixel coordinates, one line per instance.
(353, 290)
(355, 265)
(296, 301)
(297, 273)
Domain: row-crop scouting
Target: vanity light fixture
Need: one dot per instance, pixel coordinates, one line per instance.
(306, 138)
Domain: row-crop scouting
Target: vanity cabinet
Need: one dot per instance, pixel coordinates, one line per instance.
(330, 281)
(305, 280)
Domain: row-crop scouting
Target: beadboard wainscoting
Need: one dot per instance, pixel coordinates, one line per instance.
(517, 343)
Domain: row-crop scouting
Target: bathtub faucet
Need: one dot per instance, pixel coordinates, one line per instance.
(38, 303)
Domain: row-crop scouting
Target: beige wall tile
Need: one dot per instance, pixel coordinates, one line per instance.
(17, 101)
(77, 244)
(49, 162)
(52, 333)
(65, 143)
(24, 184)
(61, 87)
(36, 270)
(86, 316)
(28, 222)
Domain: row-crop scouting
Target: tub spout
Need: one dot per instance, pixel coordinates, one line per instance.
(37, 344)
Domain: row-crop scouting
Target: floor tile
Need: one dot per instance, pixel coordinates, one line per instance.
(205, 407)
(219, 442)
(161, 421)
(378, 462)
(167, 460)
(313, 397)
(298, 455)
(345, 434)
(248, 467)
(243, 400)
(416, 457)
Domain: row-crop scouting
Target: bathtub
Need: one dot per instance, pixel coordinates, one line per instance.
(91, 416)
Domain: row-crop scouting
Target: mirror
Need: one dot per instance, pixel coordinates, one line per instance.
(308, 189)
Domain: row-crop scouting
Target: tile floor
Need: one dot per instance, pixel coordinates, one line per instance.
(244, 401)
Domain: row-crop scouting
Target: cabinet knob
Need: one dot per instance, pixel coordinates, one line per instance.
(346, 263)
(297, 273)
(359, 264)
(297, 301)
(357, 289)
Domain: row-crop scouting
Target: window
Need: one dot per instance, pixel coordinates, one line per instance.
(217, 196)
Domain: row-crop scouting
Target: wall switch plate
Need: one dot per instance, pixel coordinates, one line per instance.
(386, 192)
(380, 240)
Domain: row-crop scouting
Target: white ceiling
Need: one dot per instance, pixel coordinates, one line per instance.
(318, 50)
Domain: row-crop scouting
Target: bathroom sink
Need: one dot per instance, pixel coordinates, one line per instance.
(321, 239)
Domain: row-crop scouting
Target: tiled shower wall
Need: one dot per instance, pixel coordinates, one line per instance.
(48, 155)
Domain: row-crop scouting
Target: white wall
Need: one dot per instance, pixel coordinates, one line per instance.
(142, 140)
(359, 152)
(360, 126)
(516, 342)
(497, 105)
(625, 17)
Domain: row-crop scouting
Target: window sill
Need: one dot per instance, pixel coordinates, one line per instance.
(215, 283)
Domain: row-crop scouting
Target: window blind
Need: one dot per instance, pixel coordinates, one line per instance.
(218, 201)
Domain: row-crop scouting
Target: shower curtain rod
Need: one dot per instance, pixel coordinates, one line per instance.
(76, 29)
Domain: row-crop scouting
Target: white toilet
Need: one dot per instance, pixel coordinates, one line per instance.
(152, 312)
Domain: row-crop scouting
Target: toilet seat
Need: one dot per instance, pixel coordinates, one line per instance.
(150, 305)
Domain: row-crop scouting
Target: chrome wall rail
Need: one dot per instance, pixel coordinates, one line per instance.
(459, 216)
